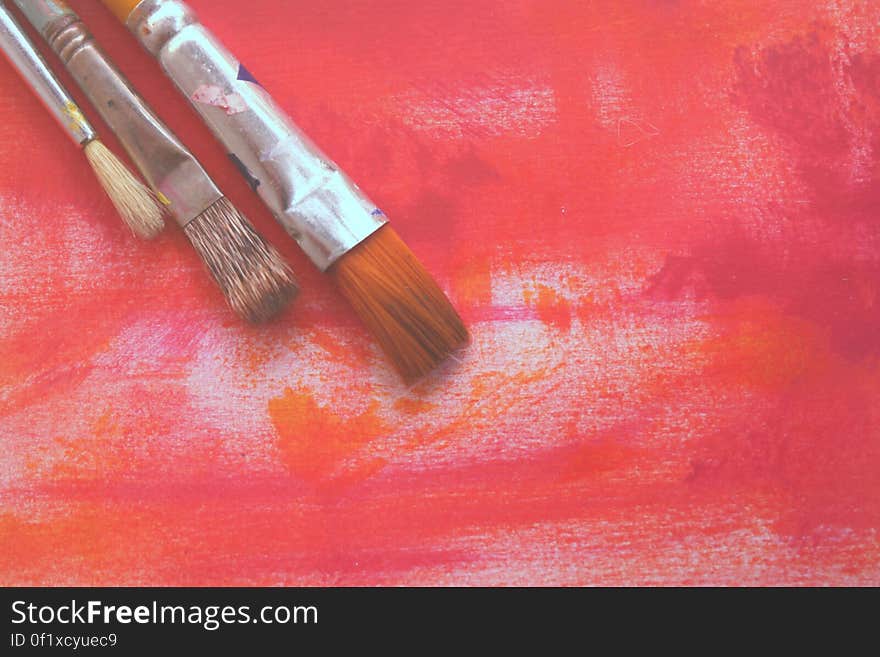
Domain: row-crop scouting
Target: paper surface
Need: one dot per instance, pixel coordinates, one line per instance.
(658, 219)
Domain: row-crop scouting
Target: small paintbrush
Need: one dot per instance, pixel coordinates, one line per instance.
(254, 278)
(134, 202)
(336, 225)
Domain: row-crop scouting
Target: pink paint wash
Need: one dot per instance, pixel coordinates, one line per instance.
(660, 220)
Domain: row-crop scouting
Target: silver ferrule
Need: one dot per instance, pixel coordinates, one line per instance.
(33, 68)
(310, 197)
(171, 170)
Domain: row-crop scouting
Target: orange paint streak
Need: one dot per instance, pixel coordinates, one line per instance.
(414, 406)
(473, 283)
(99, 455)
(761, 348)
(552, 309)
(353, 352)
(315, 441)
(598, 460)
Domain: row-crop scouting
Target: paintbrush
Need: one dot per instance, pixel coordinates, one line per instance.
(337, 226)
(134, 202)
(255, 280)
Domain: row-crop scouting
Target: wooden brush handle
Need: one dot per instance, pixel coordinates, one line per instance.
(121, 8)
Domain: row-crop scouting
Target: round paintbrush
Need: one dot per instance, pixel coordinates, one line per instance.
(253, 277)
(337, 226)
(135, 203)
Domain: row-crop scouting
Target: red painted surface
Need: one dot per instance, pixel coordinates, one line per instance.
(660, 220)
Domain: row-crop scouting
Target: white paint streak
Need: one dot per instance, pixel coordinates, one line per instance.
(498, 109)
(215, 97)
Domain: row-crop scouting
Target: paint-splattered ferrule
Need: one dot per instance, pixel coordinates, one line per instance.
(171, 170)
(312, 199)
(30, 64)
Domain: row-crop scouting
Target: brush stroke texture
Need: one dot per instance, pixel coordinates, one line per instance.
(659, 219)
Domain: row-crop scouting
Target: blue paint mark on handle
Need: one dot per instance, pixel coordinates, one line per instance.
(246, 76)
(252, 180)
(377, 213)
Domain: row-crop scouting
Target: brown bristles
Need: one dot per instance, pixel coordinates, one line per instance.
(133, 200)
(254, 278)
(400, 303)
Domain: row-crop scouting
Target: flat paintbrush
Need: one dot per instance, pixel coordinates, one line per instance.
(336, 225)
(255, 280)
(134, 202)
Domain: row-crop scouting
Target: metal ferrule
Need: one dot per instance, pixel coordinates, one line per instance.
(315, 202)
(171, 170)
(30, 64)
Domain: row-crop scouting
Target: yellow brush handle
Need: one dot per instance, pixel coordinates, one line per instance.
(122, 8)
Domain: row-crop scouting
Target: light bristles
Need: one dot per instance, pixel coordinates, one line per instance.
(135, 203)
(254, 278)
(400, 303)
